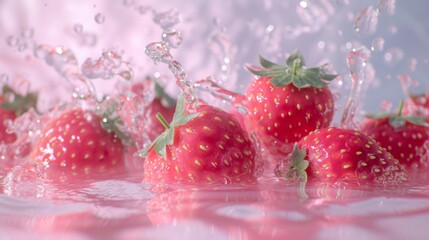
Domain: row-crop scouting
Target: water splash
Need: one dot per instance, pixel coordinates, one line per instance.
(386, 6)
(78, 28)
(412, 64)
(377, 45)
(110, 64)
(99, 18)
(312, 15)
(24, 180)
(366, 21)
(357, 61)
(65, 63)
(173, 38)
(167, 20)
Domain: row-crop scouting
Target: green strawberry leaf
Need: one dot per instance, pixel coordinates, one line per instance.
(20, 103)
(167, 137)
(293, 72)
(161, 94)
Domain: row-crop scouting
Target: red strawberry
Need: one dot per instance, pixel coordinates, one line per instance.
(131, 113)
(75, 142)
(9, 110)
(405, 137)
(203, 147)
(337, 154)
(288, 102)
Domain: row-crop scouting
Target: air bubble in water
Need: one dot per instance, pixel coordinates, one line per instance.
(366, 21)
(393, 56)
(386, 6)
(173, 38)
(22, 47)
(99, 18)
(377, 44)
(168, 19)
(78, 28)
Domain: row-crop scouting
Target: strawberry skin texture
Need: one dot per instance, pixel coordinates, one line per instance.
(283, 115)
(337, 154)
(74, 142)
(5, 115)
(211, 148)
(407, 143)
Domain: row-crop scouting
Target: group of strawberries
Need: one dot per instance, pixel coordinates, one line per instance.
(287, 123)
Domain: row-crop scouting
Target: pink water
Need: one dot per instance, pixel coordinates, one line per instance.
(215, 39)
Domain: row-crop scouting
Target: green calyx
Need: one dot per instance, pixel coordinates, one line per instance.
(293, 72)
(112, 122)
(294, 166)
(397, 120)
(20, 103)
(163, 96)
(167, 137)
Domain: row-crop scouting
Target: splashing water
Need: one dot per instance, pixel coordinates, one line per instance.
(357, 61)
(386, 6)
(167, 20)
(366, 21)
(173, 38)
(110, 64)
(24, 180)
(312, 15)
(78, 28)
(65, 63)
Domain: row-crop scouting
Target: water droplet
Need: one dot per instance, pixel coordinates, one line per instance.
(4, 78)
(89, 39)
(27, 32)
(12, 41)
(128, 3)
(342, 2)
(22, 47)
(412, 64)
(312, 15)
(159, 52)
(321, 45)
(366, 21)
(168, 19)
(143, 9)
(357, 62)
(78, 28)
(386, 6)
(99, 18)
(377, 44)
(393, 56)
(173, 38)
(393, 30)
(386, 106)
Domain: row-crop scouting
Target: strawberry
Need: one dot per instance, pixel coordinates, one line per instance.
(207, 146)
(405, 137)
(337, 154)
(10, 110)
(75, 142)
(135, 108)
(286, 103)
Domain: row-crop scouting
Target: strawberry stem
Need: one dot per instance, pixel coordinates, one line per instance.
(162, 120)
(401, 106)
(295, 65)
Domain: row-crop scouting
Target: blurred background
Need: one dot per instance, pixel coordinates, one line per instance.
(212, 38)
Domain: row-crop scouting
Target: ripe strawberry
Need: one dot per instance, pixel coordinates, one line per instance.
(10, 110)
(75, 142)
(405, 137)
(337, 154)
(288, 102)
(135, 109)
(208, 146)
